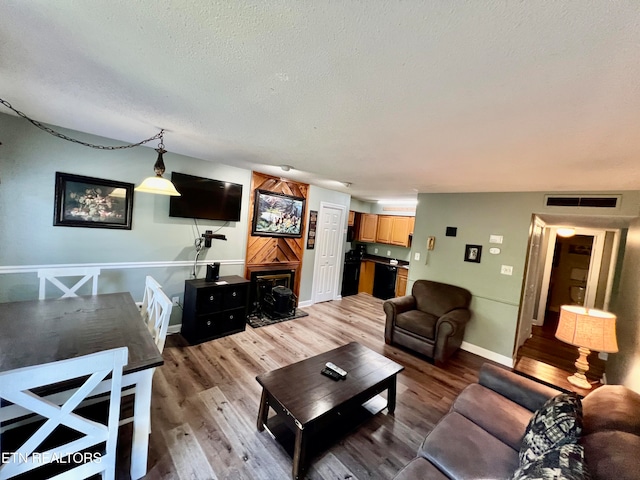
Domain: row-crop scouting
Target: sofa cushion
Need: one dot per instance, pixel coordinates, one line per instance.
(565, 462)
(420, 323)
(612, 407)
(558, 422)
(461, 449)
(420, 469)
(496, 414)
(611, 454)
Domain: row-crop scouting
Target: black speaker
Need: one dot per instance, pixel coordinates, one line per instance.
(213, 272)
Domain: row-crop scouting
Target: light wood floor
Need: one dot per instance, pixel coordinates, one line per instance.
(205, 401)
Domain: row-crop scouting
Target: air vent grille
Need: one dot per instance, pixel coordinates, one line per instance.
(593, 202)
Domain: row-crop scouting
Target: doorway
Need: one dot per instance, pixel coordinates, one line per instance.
(576, 270)
(330, 237)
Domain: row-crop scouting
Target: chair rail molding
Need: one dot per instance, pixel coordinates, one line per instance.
(118, 265)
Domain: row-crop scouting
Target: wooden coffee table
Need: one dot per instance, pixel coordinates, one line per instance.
(317, 409)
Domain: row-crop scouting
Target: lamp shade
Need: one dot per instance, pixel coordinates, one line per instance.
(158, 185)
(588, 328)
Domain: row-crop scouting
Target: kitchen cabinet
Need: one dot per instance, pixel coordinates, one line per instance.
(368, 227)
(352, 218)
(401, 228)
(385, 225)
(367, 272)
(401, 282)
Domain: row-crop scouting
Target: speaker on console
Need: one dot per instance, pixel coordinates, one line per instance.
(213, 272)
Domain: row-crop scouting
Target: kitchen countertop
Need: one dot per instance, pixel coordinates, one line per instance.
(385, 261)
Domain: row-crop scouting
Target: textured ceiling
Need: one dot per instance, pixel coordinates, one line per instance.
(396, 97)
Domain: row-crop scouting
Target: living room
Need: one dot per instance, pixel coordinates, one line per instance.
(163, 246)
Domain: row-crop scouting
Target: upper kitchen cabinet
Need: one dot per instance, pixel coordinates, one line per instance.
(368, 227)
(352, 218)
(385, 225)
(401, 229)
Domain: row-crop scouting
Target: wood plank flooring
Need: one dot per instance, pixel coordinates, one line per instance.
(205, 401)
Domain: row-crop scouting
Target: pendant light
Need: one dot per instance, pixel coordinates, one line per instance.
(157, 184)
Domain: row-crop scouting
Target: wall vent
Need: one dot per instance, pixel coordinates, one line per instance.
(574, 201)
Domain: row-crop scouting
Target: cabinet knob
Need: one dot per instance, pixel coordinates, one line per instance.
(230, 317)
(234, 294)
(208, 323)
(211, 298)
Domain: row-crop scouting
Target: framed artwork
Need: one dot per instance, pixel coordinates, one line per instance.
(277, 215)
(472, 253)
(311, 236)
(92, 202)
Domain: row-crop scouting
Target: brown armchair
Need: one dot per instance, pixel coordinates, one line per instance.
(430, 321)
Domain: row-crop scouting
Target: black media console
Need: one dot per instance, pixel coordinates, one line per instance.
(214, 309)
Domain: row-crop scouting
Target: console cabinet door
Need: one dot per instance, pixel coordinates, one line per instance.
(368, 227)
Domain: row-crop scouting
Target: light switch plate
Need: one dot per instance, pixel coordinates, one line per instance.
(506, 270)
(495, 238)
(416, 256)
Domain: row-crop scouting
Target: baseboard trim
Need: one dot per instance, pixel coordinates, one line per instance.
(172, 329)
(306, 303)
(488, 354)
(117, 265)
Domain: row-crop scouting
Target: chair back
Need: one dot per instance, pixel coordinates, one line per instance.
(16, 386)
(158, 314)
(439, 298)
(85, 273)
(150, 287)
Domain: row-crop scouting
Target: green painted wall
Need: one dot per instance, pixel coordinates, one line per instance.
(496, 297)
(29, 159)
(624, 367)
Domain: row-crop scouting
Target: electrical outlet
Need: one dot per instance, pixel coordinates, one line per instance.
(375, 250)
(506, 270)
(416, 256)
(176, 301)
(388, 253)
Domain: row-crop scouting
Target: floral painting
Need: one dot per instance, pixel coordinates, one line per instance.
(277, 215)
(92, 202)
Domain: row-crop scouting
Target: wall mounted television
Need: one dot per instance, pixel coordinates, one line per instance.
(205, 198)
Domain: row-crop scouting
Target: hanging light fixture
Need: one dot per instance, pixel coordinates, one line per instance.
(157, 184)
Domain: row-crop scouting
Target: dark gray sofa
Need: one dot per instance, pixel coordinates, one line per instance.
(481, 435)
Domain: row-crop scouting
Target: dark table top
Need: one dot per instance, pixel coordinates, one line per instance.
(42, 331)
(307, 394)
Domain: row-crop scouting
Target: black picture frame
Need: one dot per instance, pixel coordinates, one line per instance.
(277, 215)
(92, 202)
(472, 253)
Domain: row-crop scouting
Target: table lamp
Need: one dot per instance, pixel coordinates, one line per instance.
(588, 329)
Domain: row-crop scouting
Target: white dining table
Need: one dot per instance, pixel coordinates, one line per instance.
(41, 331)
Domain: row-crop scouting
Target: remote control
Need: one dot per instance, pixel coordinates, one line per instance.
(331, 374)
(337, 369)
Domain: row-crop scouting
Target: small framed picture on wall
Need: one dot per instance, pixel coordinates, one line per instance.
(472, 253)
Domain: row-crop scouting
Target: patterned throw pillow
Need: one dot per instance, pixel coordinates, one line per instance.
(562, 463)
(558, 422)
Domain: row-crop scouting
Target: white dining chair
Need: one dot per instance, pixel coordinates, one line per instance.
(151, 285)
(16, 387)
(158, 313)
(51, 275)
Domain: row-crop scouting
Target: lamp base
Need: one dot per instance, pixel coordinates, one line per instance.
(582, 365)
(579, 381)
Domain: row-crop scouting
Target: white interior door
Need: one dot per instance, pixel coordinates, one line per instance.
(329, 242)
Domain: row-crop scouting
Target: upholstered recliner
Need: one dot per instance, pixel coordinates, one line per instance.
(430, 321)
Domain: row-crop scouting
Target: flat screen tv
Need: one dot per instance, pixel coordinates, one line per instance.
(205, 198)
